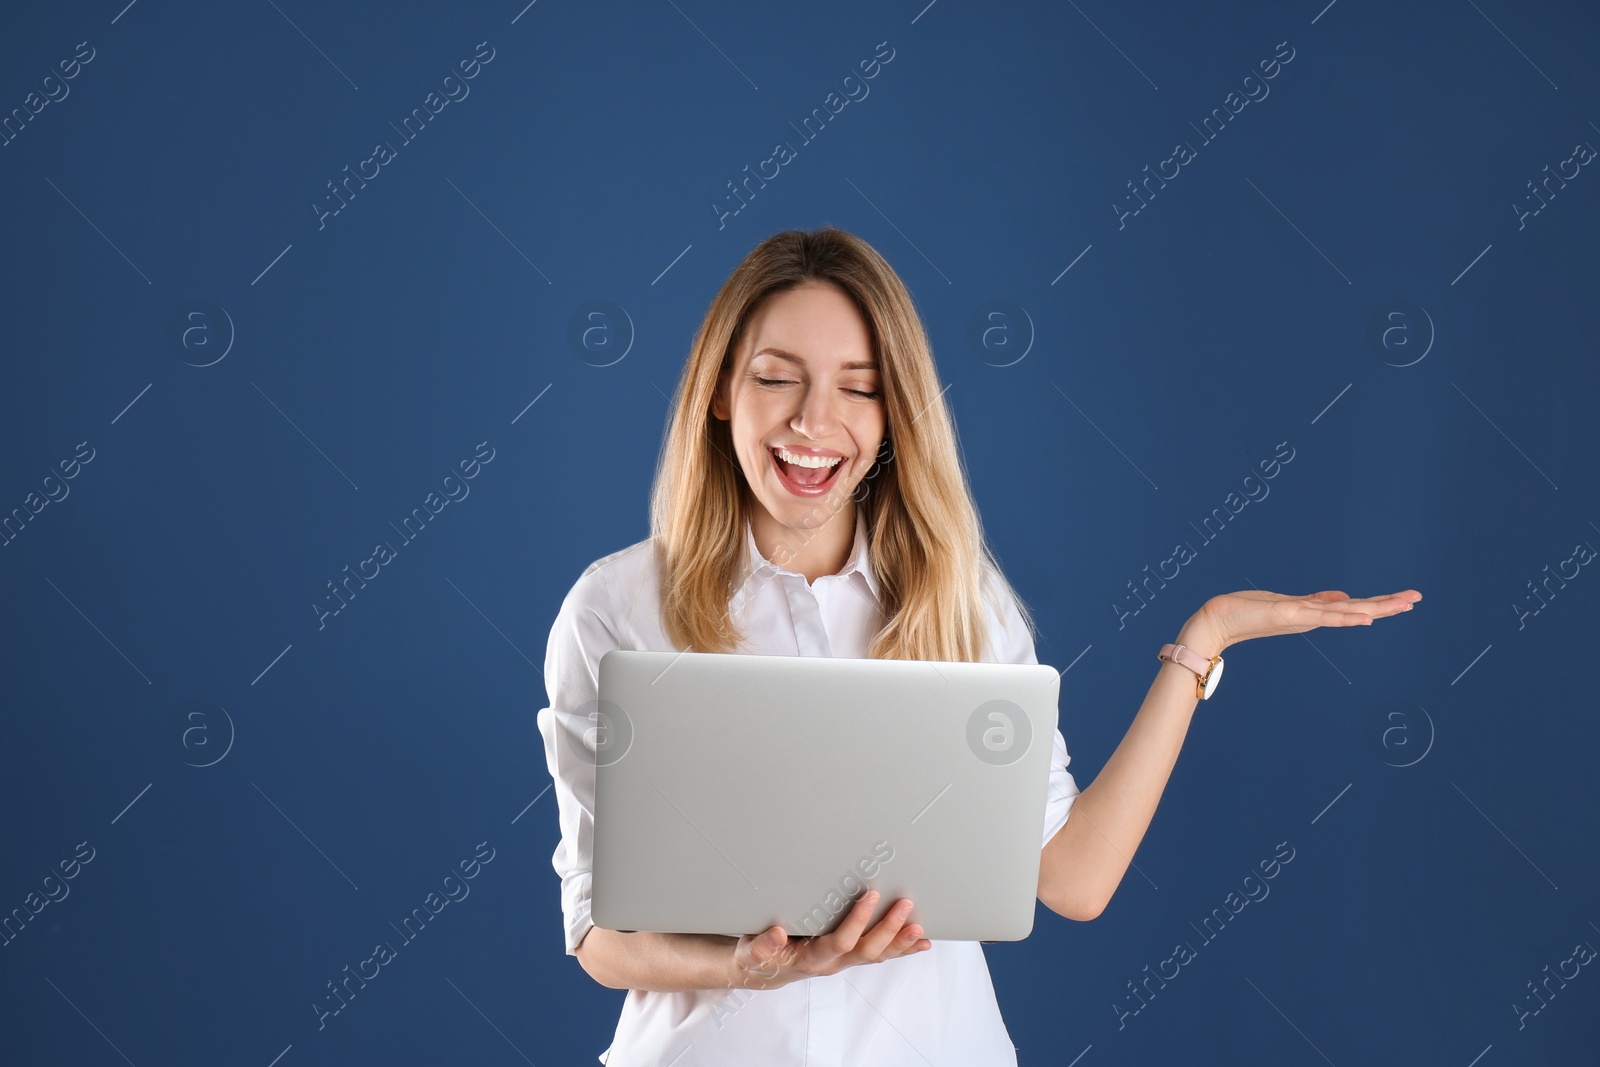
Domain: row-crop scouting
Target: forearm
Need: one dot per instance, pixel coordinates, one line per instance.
(1083, 864)
(668, 963)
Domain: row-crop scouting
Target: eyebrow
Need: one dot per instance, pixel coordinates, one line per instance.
(792, 358)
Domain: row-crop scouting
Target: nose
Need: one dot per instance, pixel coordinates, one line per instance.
(815, 418)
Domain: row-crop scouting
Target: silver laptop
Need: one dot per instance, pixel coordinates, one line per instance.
(737, 792)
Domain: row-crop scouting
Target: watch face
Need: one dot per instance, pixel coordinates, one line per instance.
(1213, 677)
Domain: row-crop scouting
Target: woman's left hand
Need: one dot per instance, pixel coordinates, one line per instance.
(1243, 616)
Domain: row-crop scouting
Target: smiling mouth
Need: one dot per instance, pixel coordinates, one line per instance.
(807, 481)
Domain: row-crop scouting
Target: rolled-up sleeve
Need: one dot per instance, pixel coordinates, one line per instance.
(582, 633)
(1012, 643)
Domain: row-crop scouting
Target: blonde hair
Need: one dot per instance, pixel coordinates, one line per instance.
(925, 539)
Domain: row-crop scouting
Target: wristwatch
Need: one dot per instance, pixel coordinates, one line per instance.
(1208, 672)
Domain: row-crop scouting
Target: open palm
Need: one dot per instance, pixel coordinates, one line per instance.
(1252, 613)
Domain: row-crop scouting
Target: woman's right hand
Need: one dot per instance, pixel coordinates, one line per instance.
(771, 959)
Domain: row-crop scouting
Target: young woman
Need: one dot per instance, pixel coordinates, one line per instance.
(810, 501)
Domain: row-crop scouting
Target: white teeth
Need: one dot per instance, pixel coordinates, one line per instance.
(808, 461)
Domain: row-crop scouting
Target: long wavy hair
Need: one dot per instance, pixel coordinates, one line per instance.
(925, 539)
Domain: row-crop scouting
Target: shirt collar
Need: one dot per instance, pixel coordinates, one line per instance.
(755, 564)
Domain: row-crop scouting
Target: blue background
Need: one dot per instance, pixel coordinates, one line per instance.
(264, 795)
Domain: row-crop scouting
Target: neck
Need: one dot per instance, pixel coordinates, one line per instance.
(813, 551)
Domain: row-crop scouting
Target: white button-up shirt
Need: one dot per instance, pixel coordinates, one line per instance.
(934, 1007)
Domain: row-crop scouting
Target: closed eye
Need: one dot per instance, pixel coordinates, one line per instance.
(784, 381)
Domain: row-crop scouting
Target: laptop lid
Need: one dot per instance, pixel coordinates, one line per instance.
(735, 792)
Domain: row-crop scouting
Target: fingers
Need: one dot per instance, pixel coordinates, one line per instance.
(894, 936)
(767, 945)
(1363, 611)
(1405, 596)
(760, 957)
(907, 941)
(879, 937)
(1395, 603)
(851, 944)
(772, 957)
(844, 937)
(1297, 614)
(1345, 615)
(1327, 596)
(1379, 606)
